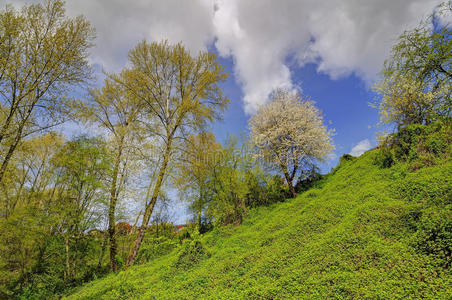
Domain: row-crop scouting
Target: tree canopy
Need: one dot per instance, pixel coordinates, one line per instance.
(417, 77)
(44, 54)
(288, 133)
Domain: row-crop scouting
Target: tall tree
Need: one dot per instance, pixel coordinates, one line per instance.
(289, 134)
(81, 166)
(117, 112)
(417, 77)
(31, 172)
(228, 184)
(43, 54)
(180, 93)
(194, 171)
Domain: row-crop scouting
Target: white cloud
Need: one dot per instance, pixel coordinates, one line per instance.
(360, 148)
(120, 25)
(266, 39)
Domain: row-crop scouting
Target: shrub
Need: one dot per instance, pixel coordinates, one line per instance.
(309, 177)
(276, 190)
(192, 253)
(420, 145)
(384, 157)
(346, 157)
(434, 235)
(155, 247)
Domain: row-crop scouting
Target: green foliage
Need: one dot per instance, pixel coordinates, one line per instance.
(222, 183)
(434, 235)
(346, 157)
(191, 254)
(421, 145)
(152, 248)
(44, 248)
(310, 176)
(360, 232)
(416, 88)
(385, 157)
(275, 190)
(238, 183)
(264, 189)
(228, 185)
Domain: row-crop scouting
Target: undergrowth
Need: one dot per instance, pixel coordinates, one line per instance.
(369, 229)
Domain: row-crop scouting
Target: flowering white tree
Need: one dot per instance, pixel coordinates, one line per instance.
(288, 133)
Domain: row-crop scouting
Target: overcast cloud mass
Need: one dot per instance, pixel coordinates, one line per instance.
(266, 39)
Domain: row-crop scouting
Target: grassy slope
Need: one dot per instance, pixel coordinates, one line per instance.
(351, 236)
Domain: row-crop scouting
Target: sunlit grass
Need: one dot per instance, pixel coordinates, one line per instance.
(357, 233)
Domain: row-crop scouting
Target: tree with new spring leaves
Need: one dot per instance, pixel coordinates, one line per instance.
(194, 171)
(288, 133)
(416, 86)
(408, 100)
(228, 183)
(81, 166)
(43, 54)
(117, 112)
(180, 94)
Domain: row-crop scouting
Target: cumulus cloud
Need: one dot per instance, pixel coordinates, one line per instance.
(121, 24)
(267, 40)
(360, 148)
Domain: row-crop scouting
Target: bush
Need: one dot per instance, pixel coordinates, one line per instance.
(184, 233)
(154, 247)
(420, 145)
(346, 157)
(311, 176)
(384, 157)
(192, 253)
(205, 225)
(434, 235)
(264, 190)
(276, 191)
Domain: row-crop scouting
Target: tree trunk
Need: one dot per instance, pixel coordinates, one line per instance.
(68, 265)
(199, 221)
(102, 252)
(112, 208)
(292, 190)
(11, 113)
(11, 150)
(238, 210)
(150, 205)
(290, 184)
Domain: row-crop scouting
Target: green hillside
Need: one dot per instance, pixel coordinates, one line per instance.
(362, 231)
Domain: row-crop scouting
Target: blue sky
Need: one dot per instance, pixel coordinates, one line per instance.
(344, 103)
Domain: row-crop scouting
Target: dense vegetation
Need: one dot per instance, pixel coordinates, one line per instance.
(377, 226)
(364, 230)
